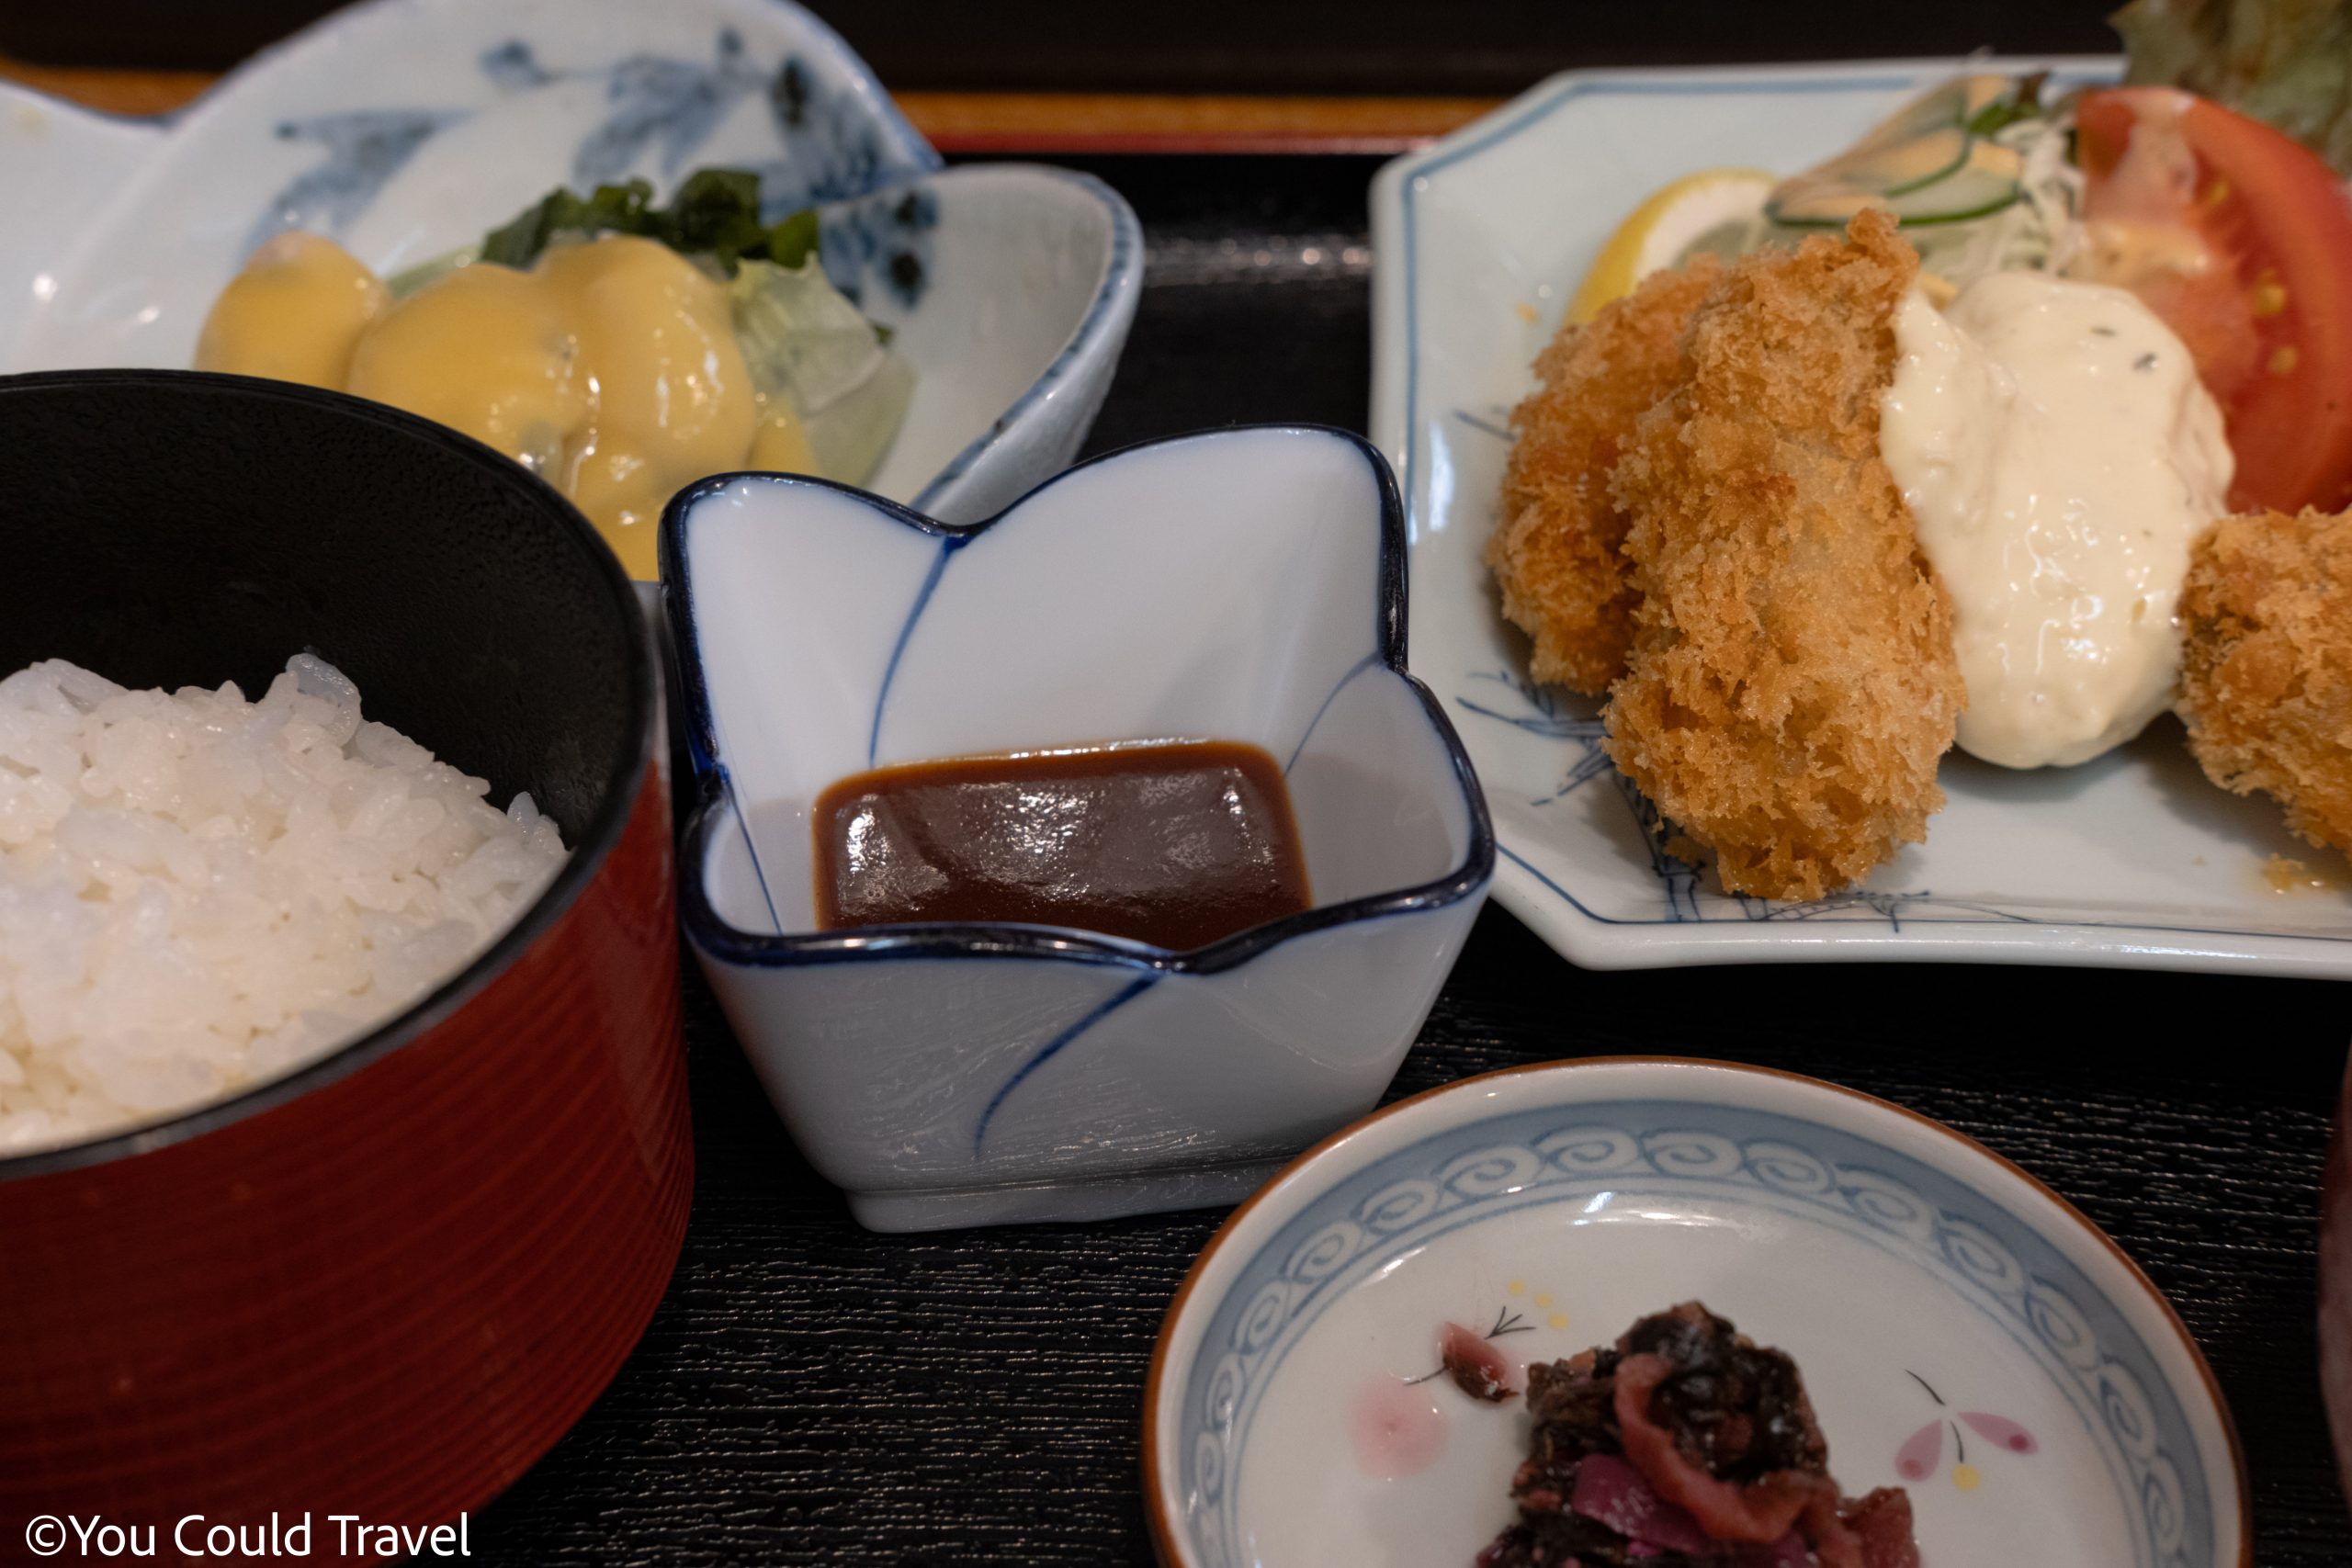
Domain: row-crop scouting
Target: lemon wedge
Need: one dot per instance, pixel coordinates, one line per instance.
(1666, 227)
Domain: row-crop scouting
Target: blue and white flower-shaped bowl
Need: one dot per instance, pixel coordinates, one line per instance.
(1962, 1333)
(404, 128)
(1244, 585)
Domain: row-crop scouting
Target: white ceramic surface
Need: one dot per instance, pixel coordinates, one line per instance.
(1244, 585)
(1961, 1332)
(406, 128)
(2134, 860)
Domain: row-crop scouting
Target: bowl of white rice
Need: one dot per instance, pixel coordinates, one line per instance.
(204, 893)
(344, 1149)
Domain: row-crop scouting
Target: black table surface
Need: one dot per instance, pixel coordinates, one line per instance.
(809, 1393)
(1492, 49)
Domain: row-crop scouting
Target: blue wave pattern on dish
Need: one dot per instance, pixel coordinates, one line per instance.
(830, 146)
(1850, 1184)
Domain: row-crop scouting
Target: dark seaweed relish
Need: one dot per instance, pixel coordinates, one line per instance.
(1732, 1408)
(1736, 1410)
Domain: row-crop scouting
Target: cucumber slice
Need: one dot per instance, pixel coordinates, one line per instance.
(2001, 203)
(1958, 143)
(1954, 103)
(1990, 178)
(1970, 193)
(1923, 164)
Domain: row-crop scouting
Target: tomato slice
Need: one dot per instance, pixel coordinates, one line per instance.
(2241, 238)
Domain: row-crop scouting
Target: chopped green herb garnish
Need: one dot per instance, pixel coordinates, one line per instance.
(715, 213)
(621, 208)
(794, 240)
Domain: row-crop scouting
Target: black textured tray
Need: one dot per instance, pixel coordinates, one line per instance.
(813, 1394)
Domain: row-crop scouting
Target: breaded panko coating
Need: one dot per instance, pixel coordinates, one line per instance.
(1792, 682)
(2266, 666)
(1556, 546)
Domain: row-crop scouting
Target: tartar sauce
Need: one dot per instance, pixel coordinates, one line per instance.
(2058, 456)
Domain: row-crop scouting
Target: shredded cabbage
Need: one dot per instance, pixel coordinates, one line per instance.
(2038, 232)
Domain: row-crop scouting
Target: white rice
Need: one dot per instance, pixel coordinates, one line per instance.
(198, 893)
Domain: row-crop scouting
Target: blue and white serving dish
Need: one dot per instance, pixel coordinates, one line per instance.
(1961, 1331)
(406, 128)
(1244, 585)
(2131, 860)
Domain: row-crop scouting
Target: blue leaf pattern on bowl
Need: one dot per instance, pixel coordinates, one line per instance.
(832, 147)
(881, 243)
(364, 149)
(670, 104)
(514, 66)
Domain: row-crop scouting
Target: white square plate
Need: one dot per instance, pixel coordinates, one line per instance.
(2132, 860)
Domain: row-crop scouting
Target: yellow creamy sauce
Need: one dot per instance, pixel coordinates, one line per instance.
(610, 368)
(2058, 456)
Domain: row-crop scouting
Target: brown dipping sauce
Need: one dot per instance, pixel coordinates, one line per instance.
(1176, 844)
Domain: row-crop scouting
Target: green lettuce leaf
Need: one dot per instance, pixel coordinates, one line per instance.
(2286, 63)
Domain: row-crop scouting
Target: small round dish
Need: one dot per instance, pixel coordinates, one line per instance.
(1962, 1331)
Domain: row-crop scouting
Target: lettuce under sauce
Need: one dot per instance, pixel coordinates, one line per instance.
(802, 338)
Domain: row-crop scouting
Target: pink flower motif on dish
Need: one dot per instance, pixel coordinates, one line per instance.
(2000, 1429)
(1923, 1450)
(1396, 1428)
(1919, 1457)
